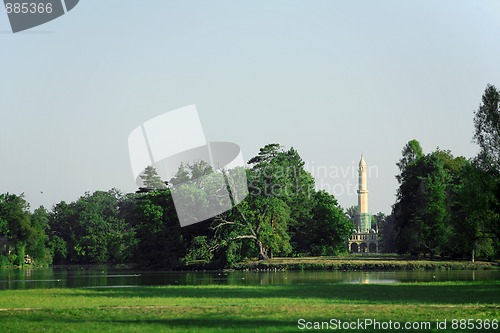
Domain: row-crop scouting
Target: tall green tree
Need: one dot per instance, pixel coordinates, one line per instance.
(279, 173)
(487, 129)
(16, 225)
(159, 235)
(89, 230)
(37, 244)
(421, 212)
(387, 234)
(329, 228)
(487, 136)
(434, 215)
(472, 215)
(259, 225)
(412, 152)
(259, 219)
(407, 205)
(151, 180)
(63, 232)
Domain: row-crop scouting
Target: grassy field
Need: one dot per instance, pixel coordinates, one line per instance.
(275, 308)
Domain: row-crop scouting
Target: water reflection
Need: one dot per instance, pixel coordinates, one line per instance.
(77, 277)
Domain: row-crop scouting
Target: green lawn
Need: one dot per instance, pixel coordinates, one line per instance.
(274, 308)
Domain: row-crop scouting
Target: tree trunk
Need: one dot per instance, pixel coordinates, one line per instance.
(262, 251)
(473, 252)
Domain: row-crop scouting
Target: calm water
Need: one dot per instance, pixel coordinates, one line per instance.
(78, 277)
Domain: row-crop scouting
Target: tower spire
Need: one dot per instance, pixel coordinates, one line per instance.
(364, 216)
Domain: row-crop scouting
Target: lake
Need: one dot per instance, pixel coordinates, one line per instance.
(102, 276)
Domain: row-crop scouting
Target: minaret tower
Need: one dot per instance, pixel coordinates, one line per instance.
(364, 216)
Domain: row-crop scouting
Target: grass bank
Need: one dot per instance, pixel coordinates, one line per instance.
(362, 263)
(221, 308)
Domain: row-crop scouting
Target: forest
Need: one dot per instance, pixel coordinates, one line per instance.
(446, 207)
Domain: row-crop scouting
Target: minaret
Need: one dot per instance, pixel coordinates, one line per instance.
(364, 216)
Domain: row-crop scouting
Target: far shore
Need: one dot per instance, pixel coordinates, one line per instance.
(354, 263)
(368, 262)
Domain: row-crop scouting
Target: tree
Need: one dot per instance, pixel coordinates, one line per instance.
(276, 210)
(473, 214)
(421, 213)
(329, 228)
(387, 234)
(260, 219)
(151, 180)
(434, 215)
(16, 224)
(266, 154)
(487, 136)
(159, 235)
(89, 230)
(412, 152)
(280, 173)
(378, 220)
(37, 243)
(352, 213)
(406, 207)
(63, 231)
(487, 129)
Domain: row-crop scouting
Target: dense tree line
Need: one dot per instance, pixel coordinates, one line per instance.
(282, 215)
(448, 205)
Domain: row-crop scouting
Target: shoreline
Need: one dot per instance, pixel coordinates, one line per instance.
(356, 264)
(306, 264)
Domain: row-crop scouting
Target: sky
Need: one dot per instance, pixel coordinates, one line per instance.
(333, 79)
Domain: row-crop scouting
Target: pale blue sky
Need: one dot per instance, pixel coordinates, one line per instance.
(333, 79)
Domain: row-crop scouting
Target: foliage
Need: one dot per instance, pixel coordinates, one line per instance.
(89, 230)
(283, 213)
(474, 216)
(473, 194)
(487, 129)
(159, 235)
(422, 210)
(412, 152)
(37, 244)
(487, 136)
(352, 214)
(446, 205)
(151, 180)
(387, 233)
(25, 233)
(327, 231)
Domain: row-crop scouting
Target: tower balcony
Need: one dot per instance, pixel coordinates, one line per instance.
(364, 236)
